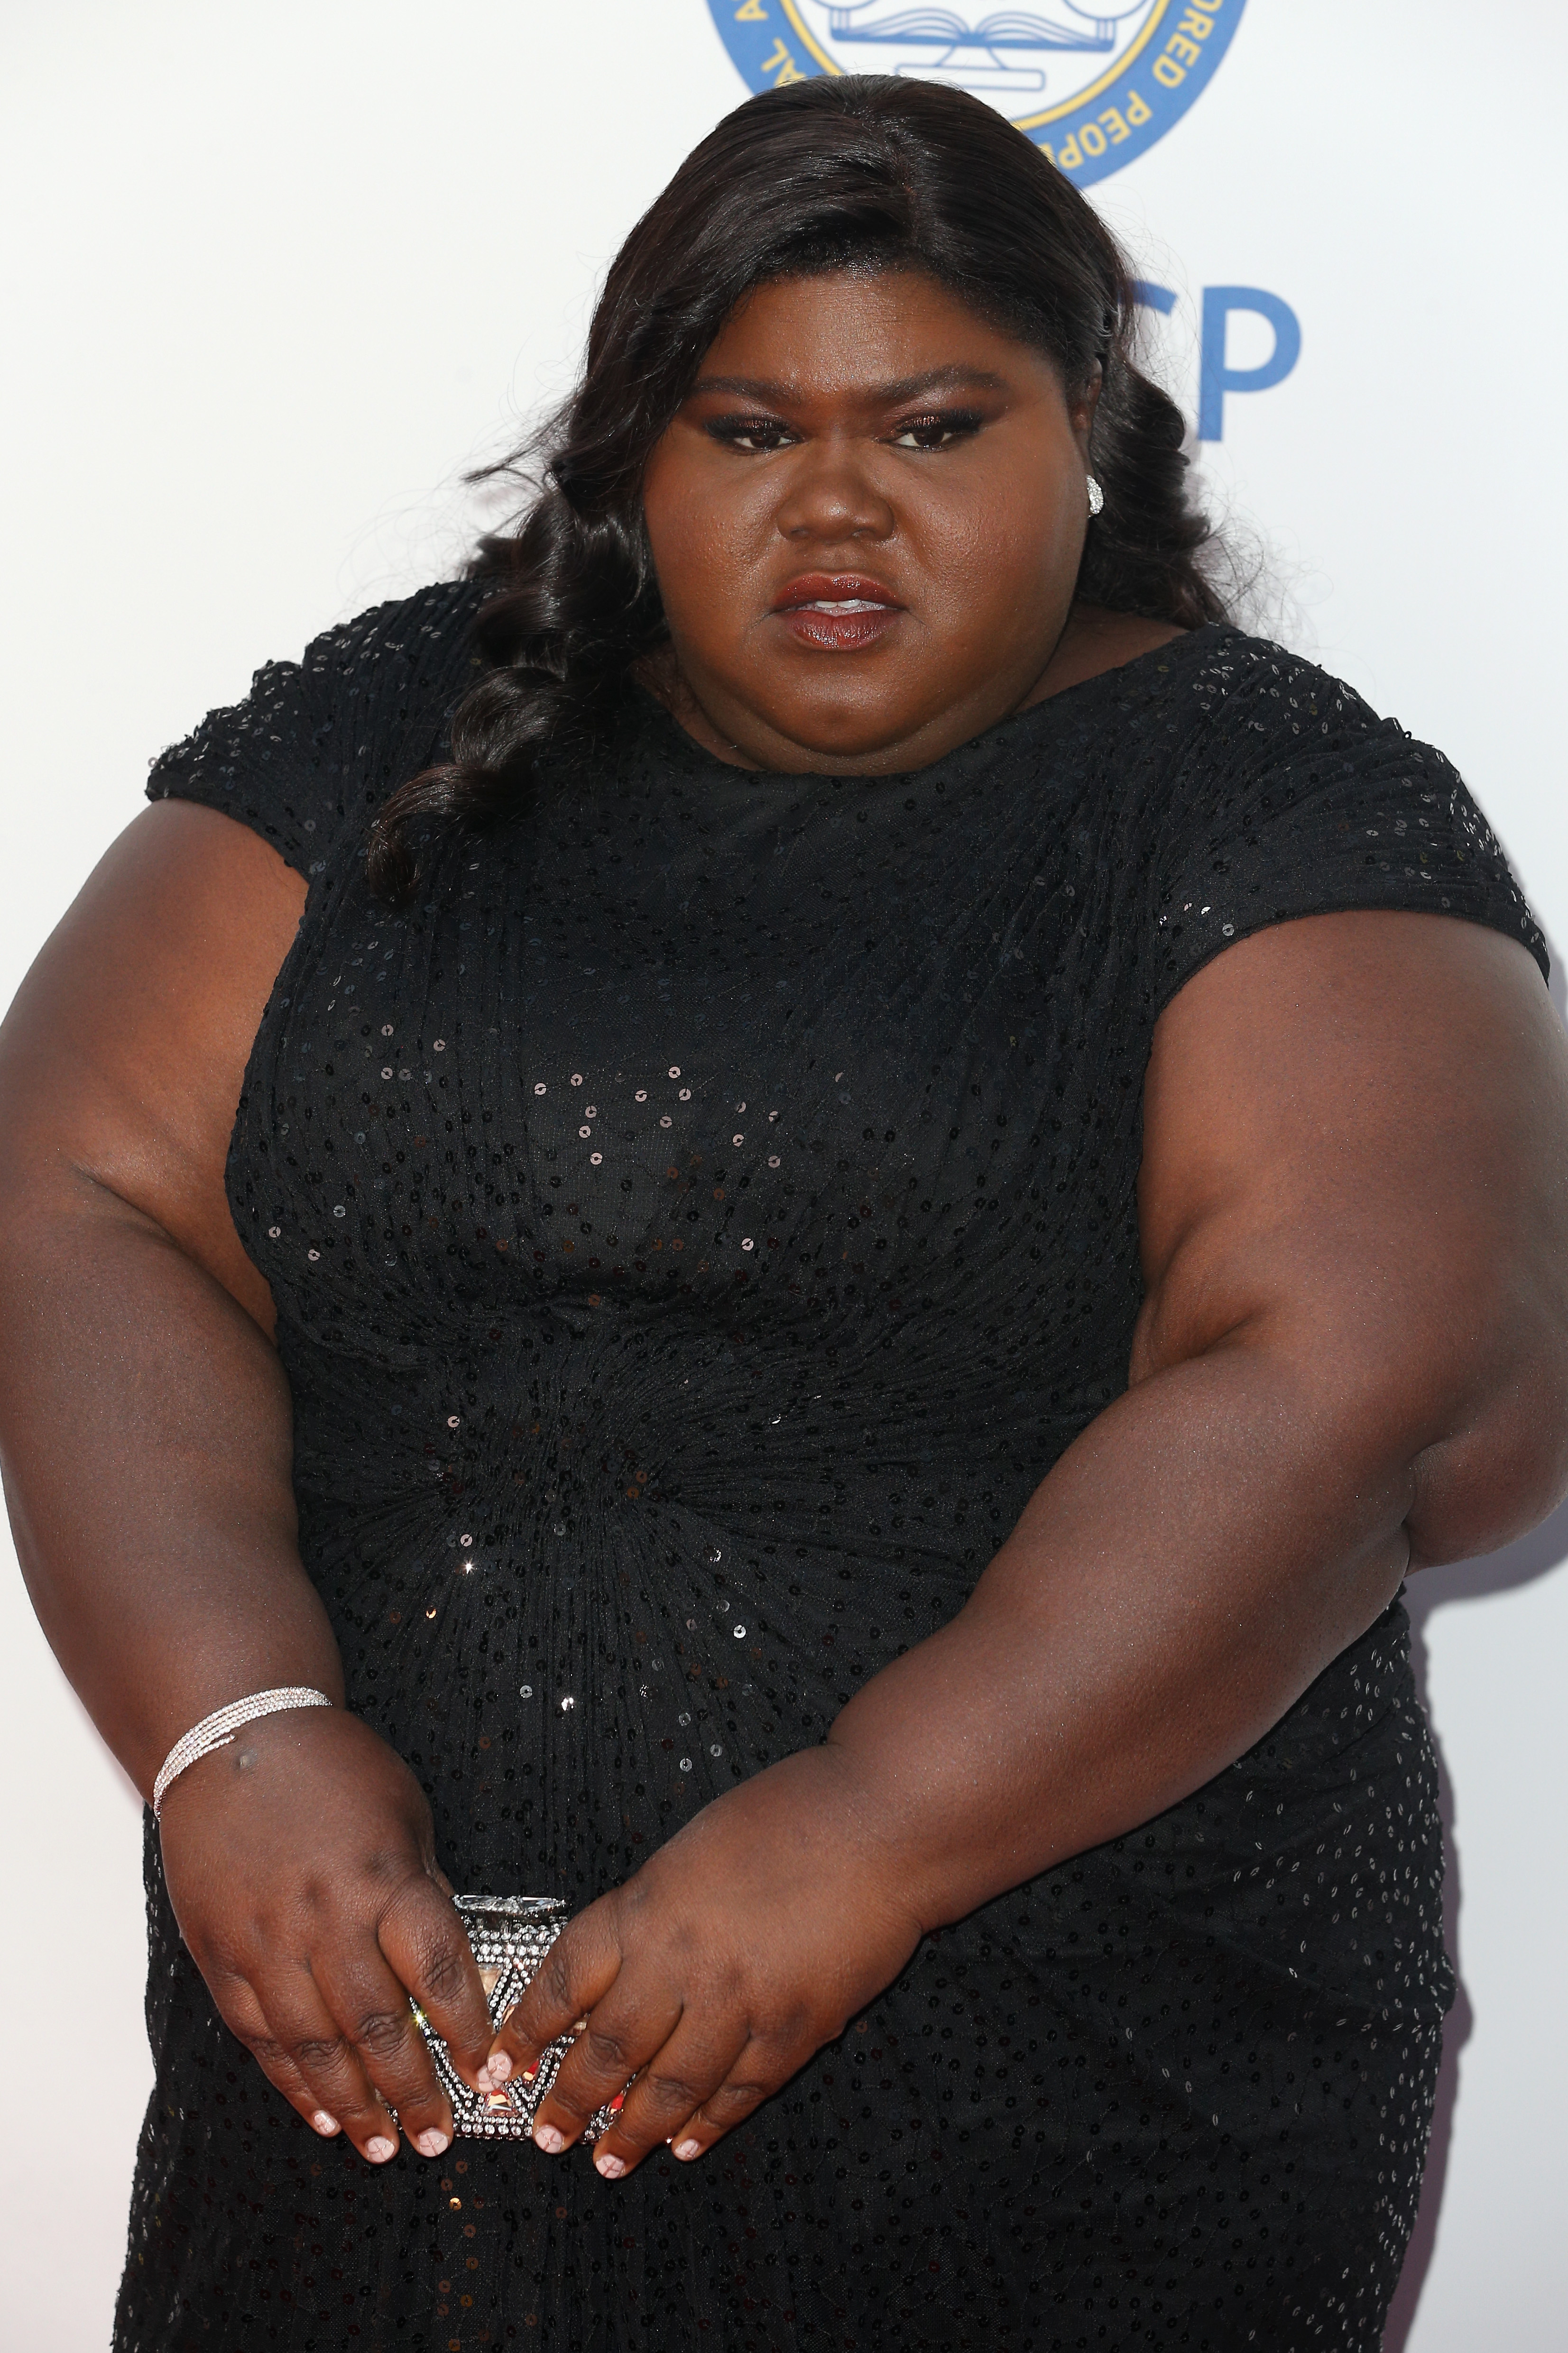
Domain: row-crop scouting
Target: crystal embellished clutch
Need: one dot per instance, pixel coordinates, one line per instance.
(509, 1936)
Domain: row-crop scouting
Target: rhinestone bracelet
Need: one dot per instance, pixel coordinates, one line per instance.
(217, 1731)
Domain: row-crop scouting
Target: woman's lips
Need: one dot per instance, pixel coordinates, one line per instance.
(836, 612)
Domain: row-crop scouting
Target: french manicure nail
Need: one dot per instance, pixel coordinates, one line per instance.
(379, 2149)
(611, 2167)
(546, 2137)
(431, 2143)
(323, 2122)
(686, 2149)
(498, 2067)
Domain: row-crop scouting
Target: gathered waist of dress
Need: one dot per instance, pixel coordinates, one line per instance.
(601, 1427)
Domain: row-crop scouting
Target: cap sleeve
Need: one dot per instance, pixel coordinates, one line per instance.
(1291, 797)
(318, 744)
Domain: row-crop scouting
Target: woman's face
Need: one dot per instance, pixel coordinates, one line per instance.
(866, 520)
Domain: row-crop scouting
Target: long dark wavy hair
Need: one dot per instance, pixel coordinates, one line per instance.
(857, 172)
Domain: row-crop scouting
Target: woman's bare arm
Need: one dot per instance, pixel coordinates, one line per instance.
(145, 1437)
(145, 1418)
(1353, 1359)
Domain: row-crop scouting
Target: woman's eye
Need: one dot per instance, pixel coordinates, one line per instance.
(936, 432)
(753, 433)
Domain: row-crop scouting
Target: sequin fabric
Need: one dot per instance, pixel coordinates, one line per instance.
(697, 1224)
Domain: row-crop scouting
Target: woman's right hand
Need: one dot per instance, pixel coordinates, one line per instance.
(300, 1864)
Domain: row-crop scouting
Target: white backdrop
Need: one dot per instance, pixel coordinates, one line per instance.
(273, 277)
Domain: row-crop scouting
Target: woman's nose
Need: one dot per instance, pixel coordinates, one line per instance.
(832, 495)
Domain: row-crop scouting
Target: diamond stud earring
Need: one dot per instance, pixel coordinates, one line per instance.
(1096, 496)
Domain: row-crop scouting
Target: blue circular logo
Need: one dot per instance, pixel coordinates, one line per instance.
(1094, 82)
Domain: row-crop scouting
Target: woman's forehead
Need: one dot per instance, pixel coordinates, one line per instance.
(847, 331)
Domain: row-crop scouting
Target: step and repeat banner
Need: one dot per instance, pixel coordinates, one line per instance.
(275, 278)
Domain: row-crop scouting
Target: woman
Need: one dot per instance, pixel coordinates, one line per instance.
(880, 1181)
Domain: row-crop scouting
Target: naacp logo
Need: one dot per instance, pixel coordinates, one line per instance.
(1094, 82)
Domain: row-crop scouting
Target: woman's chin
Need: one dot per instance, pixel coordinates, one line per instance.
(841, 711)
(867, 745)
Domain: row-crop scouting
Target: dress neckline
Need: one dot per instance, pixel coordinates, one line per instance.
(1141, 672)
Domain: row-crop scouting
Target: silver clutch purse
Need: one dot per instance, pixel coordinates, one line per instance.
(509, 1936)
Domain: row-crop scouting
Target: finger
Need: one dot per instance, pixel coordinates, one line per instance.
(754, 2077)
(243, 2015)
(426, 1946)
(621, 2035)
(687, 2072)
(299, 2028)
(369, 2008)
(575, 1973)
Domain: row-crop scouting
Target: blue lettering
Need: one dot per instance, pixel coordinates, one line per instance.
(1216, 379)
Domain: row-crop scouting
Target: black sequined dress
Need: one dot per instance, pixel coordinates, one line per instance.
(697, 1225)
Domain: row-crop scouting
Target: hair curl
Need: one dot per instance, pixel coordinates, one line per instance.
(858, 170)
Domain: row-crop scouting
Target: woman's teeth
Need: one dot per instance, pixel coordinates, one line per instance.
(844, 605)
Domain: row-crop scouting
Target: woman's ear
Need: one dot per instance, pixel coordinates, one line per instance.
(1081, 410)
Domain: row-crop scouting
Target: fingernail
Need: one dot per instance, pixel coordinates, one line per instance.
(431, 2143)
(546, 2137)
(378, 2150)
(611, 2167)
(497, 2068)
(323, 2122)
(686, 2149)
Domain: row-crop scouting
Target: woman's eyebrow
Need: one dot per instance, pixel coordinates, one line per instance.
(888, 395)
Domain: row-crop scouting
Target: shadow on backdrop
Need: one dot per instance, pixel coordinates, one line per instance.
(1534, 1556)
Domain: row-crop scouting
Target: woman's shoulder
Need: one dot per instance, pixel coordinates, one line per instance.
(1276, 791)
(1219, 676)
(1225, 710)
(1256, 725)
(402, 638)
(1218, 666)
(1234, 673)
(327, 736)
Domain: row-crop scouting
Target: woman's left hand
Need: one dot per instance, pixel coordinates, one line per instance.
(737, 1951)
